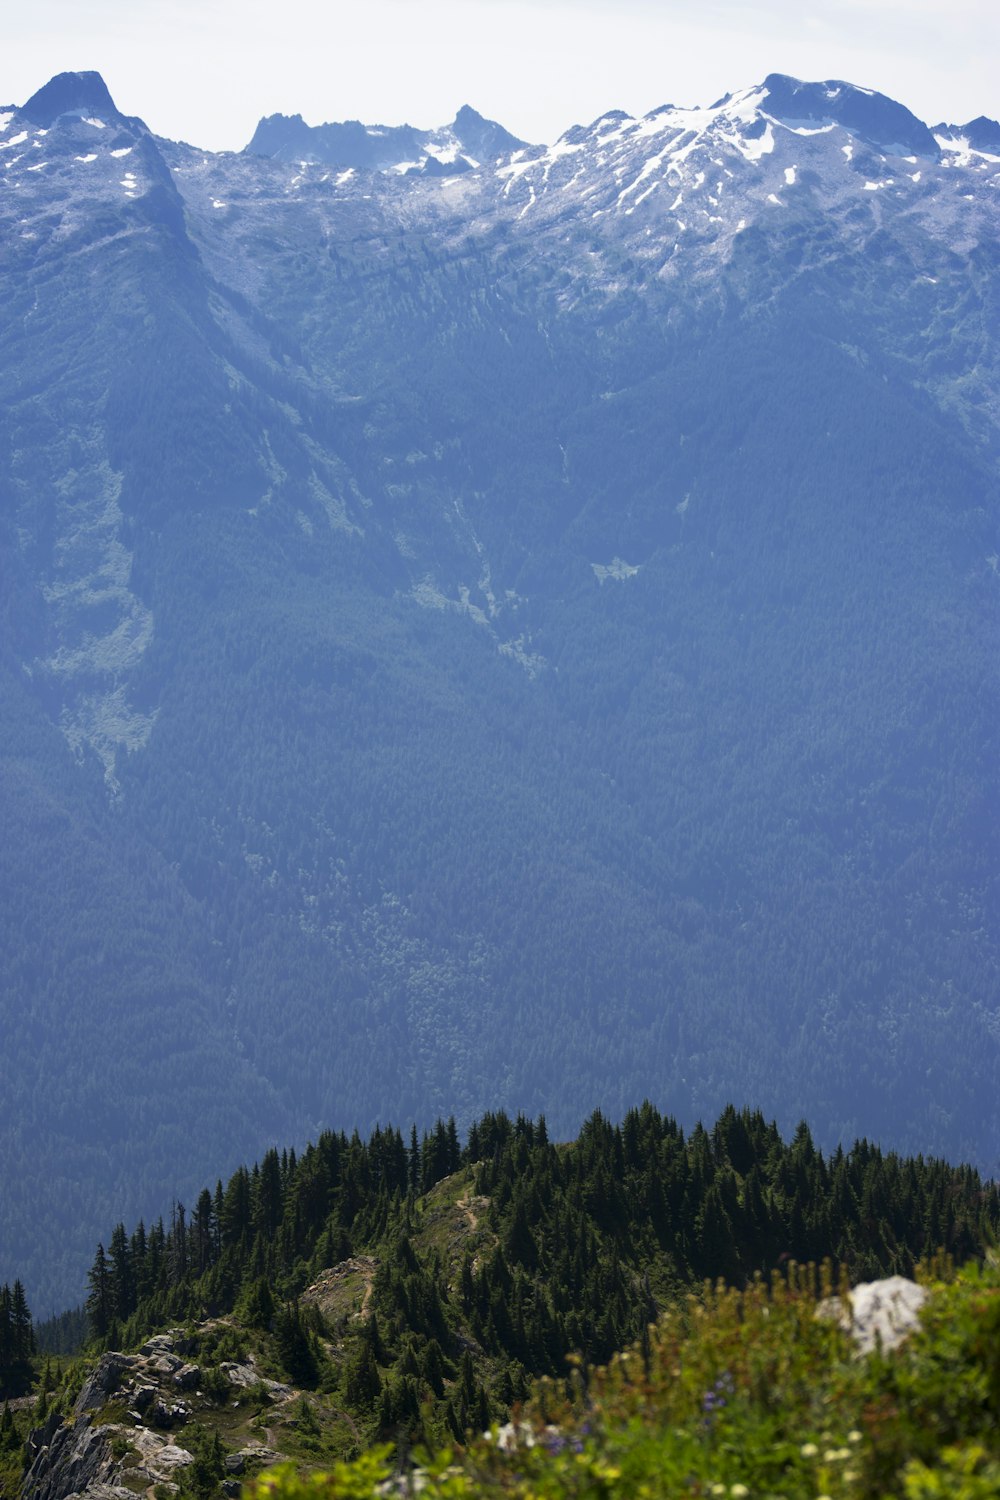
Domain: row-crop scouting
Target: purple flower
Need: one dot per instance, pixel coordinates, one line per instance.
(714, 1399)
(557, 1442)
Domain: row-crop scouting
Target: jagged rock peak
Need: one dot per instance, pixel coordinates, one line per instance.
(70, 93)
(482, 136)
(467, 116)
(873, 116)
(348, 143)
(982, 134)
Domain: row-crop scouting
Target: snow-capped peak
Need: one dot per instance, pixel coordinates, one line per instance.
(874, 117)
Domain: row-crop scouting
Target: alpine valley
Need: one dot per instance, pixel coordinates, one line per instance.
(491, 626)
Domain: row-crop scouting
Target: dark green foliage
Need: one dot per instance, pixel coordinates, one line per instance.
(202, 1478)
(14, 1428)
(434, 1367)
(577, 1248)
(63, 1334)
(256, 1304)
(297, 1346)
(215, 1385)
(362, 1382)
(17, 1341)
(8, 1432)
(102, 1297)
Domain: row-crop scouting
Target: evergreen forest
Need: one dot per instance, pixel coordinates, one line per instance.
(420, 1284)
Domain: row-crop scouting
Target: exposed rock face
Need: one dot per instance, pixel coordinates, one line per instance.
(160, 1458)
(70, 93)
(175, 1340)
(168, 1414)
(69, 1460)
(455, 148)
(171, 1456)
(244, 1376)
(105, 1380)
(872, 116)
(78, 1460)
(77, 1457)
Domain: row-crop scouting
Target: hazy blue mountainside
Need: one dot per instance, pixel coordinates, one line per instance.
(522, 637)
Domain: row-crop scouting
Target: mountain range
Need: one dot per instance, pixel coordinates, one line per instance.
(491, 625)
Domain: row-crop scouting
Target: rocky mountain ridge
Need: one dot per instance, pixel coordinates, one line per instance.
(460, 147)
(125, 1431)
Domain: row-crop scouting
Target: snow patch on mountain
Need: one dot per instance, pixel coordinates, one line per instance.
(753, 147)
(959, 151)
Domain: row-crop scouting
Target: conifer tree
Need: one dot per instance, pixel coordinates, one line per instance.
(100, 1300)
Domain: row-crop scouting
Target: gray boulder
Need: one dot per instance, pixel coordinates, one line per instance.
(880, 1313)
(188, 1377)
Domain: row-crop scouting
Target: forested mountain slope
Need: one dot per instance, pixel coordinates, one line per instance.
(518, 638)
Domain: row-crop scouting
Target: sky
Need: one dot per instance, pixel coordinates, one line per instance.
(205, 71)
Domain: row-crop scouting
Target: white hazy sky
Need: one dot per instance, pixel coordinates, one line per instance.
(206, 70)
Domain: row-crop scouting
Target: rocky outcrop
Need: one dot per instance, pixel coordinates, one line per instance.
(247, 1375)
(877, 1313)
(187, 1377)
(151, 1395)
(74, 1457)
(105, 1380)
(70, 1460)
